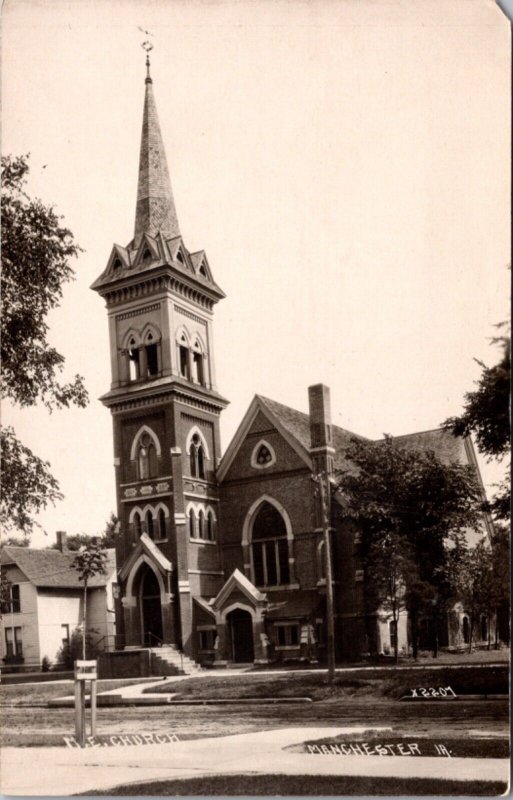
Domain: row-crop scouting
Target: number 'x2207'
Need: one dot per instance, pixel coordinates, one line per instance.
(432, 692)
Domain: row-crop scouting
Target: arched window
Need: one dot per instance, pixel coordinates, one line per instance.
(197, 457)
(147, 466)
(211, 531)
(162, 524)
(137, 525)
(270, 547)
(152, 354)
(183, 357)
(263, 455)
(198, 372)
(192, 524)
(149, 525)
(133, 359)
(201, 525)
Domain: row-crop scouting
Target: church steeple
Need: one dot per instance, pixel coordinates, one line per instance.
(155, 210)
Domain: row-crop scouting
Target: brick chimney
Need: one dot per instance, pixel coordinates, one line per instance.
(62, 545)
(320, 427)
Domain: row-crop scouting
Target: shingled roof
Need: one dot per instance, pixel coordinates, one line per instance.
(51, 568)
(298, 424)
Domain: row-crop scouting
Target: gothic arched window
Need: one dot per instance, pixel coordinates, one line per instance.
(149, 525)
(197, 457)
(137, 525)
(192, 524)
(133, 359)
(201, 525)
(183, 357)
(270, 547)
(211, 531)
(152, 347)
(198, 371)
(263, 455)
(162, 524)
(147, 466)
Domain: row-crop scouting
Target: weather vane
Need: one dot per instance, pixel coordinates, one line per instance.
(147, 47)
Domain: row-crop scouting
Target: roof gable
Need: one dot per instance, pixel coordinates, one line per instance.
(53, 569)
(146, 546)
(238, 581)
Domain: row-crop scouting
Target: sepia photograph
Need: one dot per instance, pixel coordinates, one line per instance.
(255, 439)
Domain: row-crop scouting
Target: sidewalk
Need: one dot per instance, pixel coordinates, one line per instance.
(62, 771)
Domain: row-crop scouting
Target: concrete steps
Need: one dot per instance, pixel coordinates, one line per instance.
(167, 660)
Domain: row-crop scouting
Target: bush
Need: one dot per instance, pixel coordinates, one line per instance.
(45, 664)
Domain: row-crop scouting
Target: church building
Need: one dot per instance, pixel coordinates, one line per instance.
(222, 556)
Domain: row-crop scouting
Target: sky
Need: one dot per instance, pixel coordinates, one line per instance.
(345, 165)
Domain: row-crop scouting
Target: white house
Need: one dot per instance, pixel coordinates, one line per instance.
(45, 607)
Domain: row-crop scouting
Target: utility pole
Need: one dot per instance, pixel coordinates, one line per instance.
(322, 480)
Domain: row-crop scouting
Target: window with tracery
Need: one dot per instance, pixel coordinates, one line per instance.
(263, 455)
(197, 457)
(269, 546)
(147, 465)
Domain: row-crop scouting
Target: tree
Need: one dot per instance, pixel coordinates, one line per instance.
(486, 415)
(390, 570)
(422, 506)
(36, 251)
(89, 562)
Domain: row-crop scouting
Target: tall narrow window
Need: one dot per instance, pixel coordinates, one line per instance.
(162, 524)
(211, 535)
(147, 465)
(197, 458)
(152, 356)
(270, 547)
(197, 363)
(15, 598)
(137, 525)
(9, 642)
(192, 524)
(201, 525)
(133, 360)
(149, 525)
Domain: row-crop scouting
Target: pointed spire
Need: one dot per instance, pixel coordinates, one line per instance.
(155, 209)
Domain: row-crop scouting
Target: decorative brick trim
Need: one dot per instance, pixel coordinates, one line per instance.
(189, 314)
(137, 311)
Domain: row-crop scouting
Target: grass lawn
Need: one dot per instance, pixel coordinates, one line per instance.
(23, 694)
(361, 684)
(299, 785)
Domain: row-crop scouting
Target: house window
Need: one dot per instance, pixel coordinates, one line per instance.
(13, 643)
(288, 635)
(162, 524)
(149, 525)
(192, 524)
(270, 547)
(146, 458)
(197, 457)
(206, 639)
(15, 598)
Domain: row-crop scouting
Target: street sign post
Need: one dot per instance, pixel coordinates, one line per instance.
(84, 671)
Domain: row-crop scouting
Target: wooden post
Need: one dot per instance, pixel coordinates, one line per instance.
(93, 708)
(80, 712)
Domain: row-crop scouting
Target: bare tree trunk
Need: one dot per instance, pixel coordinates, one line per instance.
(84, 617)
(471, 632)
(396, 641)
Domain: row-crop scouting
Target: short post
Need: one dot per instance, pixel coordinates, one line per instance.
(84, 671)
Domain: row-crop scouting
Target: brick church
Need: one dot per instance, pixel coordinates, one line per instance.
(222, 556)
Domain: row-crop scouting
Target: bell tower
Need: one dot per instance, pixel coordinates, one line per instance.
(165, 408)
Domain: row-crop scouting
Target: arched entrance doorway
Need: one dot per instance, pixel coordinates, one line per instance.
(151, 610)
(240, 625)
